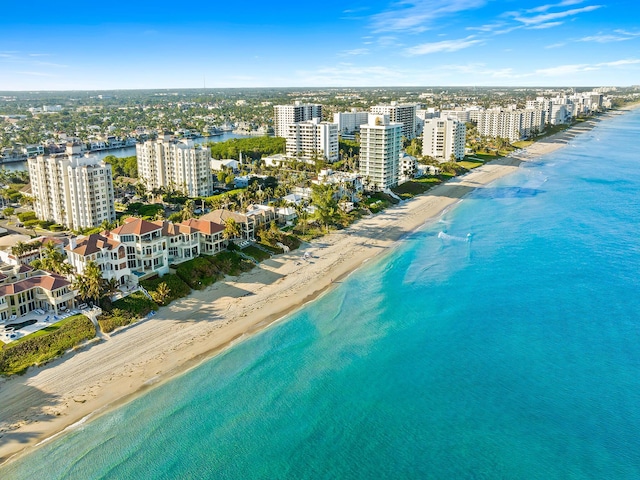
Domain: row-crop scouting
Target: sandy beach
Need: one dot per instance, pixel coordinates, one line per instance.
(107, 373)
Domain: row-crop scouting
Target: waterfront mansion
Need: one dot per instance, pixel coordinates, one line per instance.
(24, 289)
(141, 248)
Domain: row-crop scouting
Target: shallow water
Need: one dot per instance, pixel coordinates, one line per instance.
(500, 342)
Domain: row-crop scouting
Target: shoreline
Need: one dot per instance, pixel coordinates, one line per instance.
(71, 390)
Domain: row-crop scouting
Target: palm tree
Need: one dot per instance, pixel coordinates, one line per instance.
(188, 209)
(90, 284)
(161, 293)
(110, 287)
(231, 229)
(20, 249)
(303, 215)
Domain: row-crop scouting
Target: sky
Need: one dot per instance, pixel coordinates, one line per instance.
(74, 45)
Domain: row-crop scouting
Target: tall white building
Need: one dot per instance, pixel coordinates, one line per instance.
(380, 144)
(298, 112)
(511, 124)
(72, 190)
(349, 122)
(443, 137)
(404, 113)
(181, 165)
(312, 138)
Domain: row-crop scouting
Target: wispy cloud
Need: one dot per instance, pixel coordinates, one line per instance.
(544, 8)
(569, 69)
(354, 52)
(417, 16)
(542, 26)
(443, 46)
(556, 45)
(50, 64)
(617, 36)
(547, 17)
(488, 28)
(39, 54)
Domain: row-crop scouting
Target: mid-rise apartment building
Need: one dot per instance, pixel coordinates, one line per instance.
(511, 124)
(178, 164)
(298, 112)
(443, 138)
(349, 122)
(380, 144)
(400, 113)
(311, 139)
(72, 190)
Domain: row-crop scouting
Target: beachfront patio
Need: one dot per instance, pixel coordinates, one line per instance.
(15, 328)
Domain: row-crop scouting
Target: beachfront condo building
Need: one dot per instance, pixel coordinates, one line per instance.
(180, 165)
(400, 113)
(285, 115)
(72, 190)
(513, 125)
(312, 139)
(349, 122)
(140, 249)
(380, 144)
(444, 138)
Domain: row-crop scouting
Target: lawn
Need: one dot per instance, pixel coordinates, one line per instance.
(45, 345)
(256, 253)
(470, 164)
(137, 303)
(198, 273)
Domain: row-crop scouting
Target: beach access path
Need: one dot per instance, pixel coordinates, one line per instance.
(46, 400)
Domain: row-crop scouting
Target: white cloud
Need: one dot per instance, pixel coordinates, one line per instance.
(561, 70)
(546, 17)
(488, 28)
(545, 25)
(556, 45)
(354, 52)
(443, 46)
(619, 36)
(416, 16)
(544, 8)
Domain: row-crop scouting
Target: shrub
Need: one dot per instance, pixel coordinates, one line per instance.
(177, 287)
(198, 273)
(26, 216)
(137, 304)
(56, 227)
(44, 345)
(109, 321)
(230, 263)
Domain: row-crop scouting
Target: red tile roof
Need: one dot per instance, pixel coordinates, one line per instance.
(205, 226)
(92, 244)
(173, 229)
(136, 226)
(48, 282)
(219, 216)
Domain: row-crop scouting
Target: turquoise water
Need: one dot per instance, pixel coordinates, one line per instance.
(512, 353)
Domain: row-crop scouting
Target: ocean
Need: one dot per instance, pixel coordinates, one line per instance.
(502, 341)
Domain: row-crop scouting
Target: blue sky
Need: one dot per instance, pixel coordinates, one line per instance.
(117, 45)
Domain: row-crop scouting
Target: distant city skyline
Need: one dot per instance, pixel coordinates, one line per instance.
(119, 45)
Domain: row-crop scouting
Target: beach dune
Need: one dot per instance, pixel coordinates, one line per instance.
(103, 375)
